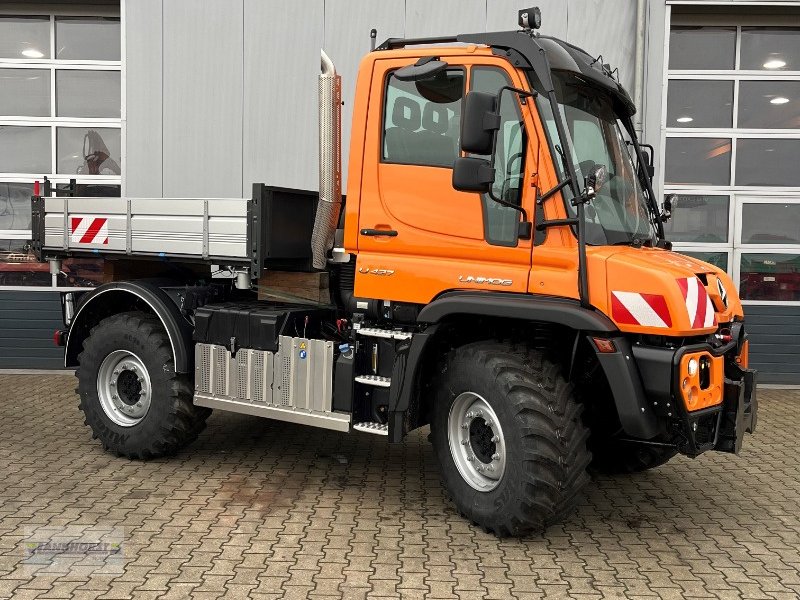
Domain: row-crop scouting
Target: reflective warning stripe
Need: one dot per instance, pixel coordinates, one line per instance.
(89, 230)
(699, 308)
(633, 308)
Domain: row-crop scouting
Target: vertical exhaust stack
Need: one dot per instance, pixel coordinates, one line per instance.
(330, 162)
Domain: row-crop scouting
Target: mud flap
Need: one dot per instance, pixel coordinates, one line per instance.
(739, 412)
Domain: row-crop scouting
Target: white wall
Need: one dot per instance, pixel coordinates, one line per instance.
(222, 93)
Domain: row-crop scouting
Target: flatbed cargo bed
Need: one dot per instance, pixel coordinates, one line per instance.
(271, 229)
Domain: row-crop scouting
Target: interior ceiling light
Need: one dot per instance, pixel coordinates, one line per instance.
(779, 100)
(684, 119)
(774, 64)
(32, 53)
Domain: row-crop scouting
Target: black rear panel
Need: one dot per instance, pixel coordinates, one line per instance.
(279, 228)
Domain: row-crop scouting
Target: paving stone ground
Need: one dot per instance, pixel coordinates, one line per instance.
(263, 509)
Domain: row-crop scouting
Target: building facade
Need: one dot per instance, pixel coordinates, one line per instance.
(177, 98)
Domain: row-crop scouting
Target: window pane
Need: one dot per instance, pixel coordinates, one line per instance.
(15, 205)
(702, 48)
(24, 37)
(770, 277)
(24, 149)
(693, 103)
(699, 161)
(88, 94)
(767, 162)
(698, 219)
(87, 38)
(422, 120)
(13, 250)
(501, 222)
(718, 259)
(85, 151)
(771, 223)
(771, 48)
(25, 92)
(769, 104)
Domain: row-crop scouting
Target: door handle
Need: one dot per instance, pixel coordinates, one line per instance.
(374, 232)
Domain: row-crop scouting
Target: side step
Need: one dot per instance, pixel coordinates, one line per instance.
(388, 334)
(374, 428)
(374, 380)
(324, 420)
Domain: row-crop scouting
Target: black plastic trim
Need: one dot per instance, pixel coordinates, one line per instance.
(517, 306)
(635, 415)
(406, 372)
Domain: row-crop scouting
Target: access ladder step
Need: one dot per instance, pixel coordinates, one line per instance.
(374, 428)
(375, 380)
(388, 334)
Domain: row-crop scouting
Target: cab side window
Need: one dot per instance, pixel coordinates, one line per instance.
(421, 120)
(501, 222)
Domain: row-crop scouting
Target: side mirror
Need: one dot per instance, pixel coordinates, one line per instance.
(479, 123)
(647, 153)
(667, 207)
(472, 174)
(596, 179)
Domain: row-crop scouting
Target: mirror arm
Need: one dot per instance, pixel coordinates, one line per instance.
(541, 198)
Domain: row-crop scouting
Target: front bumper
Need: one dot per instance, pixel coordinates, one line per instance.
(721, 427)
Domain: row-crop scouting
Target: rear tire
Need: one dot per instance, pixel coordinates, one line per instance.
(133, 401)
(509, 409)
(616, 458)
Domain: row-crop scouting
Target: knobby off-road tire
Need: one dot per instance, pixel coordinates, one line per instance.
(612, 457)
(519, 416)
(134, 402)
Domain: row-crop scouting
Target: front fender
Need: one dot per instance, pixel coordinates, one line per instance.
(620, 368)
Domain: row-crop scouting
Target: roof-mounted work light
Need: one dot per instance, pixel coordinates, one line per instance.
(530, 18)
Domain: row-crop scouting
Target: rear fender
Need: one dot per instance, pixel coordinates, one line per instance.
(124, 296)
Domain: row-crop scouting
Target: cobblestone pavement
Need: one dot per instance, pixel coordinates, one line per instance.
(267, 510)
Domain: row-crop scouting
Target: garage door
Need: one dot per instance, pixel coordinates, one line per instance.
(731, 147)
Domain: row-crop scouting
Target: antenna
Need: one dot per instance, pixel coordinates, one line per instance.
(373, 36)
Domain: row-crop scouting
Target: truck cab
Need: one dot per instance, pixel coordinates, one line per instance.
(497, 271)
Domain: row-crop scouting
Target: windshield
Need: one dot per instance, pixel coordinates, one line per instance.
(619, 213)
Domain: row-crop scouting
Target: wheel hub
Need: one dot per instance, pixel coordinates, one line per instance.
(476, 441)
(480, 440)
(123, 387)
(129, 387)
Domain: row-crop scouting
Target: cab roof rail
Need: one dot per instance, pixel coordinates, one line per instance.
(394, 43)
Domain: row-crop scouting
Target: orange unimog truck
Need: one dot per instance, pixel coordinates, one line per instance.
(498, 271)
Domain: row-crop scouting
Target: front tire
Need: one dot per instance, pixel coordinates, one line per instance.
(508, 437)
(133, 401)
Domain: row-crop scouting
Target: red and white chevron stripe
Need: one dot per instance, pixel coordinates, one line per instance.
(633, 308)
(698, 303)
(89, 230)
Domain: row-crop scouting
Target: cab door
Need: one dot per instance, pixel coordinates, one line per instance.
(418, 236)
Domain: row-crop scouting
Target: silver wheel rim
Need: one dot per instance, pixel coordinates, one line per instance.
(123, 385)
(476, 441)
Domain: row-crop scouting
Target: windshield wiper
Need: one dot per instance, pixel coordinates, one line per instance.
(635, 242)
